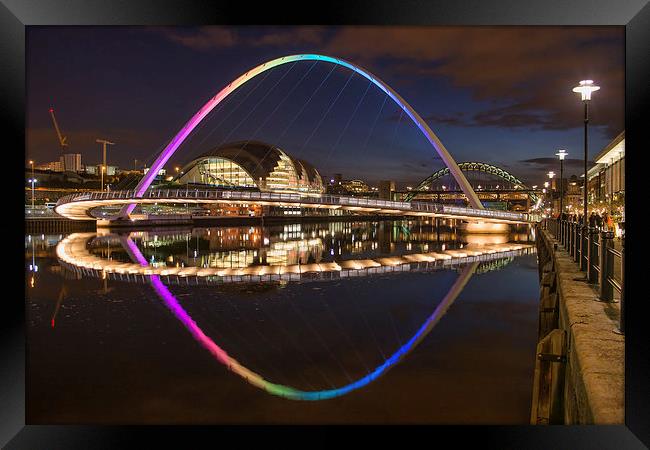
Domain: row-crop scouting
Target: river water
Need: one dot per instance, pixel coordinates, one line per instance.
(451, 345)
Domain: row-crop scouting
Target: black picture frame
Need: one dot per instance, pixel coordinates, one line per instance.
(16, 15)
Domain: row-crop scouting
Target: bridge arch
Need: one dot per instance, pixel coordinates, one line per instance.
(471, 166)
(180, 137)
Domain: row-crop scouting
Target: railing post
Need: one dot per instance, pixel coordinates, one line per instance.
(606, 266)
(574, 240)
(621, 323)
(584, 261)
(570, 237)
(592, 276)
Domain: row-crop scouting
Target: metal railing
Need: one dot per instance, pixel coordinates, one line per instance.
(301, 199)
(594, 250)
(38, 212)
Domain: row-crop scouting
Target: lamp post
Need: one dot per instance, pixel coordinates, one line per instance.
(31, 162)
(104, 143)
(551, 174)
(585, 88)
(33, 181)
(561, 154)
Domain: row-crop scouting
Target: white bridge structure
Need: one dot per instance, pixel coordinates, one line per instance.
(83, 206)
(80, 206)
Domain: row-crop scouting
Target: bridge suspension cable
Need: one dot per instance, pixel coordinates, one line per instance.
(214, 101)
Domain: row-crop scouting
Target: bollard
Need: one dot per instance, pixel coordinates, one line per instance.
(592, 259)
(606, 266)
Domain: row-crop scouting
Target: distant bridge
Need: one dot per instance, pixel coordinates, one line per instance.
(472, 167)
(81, 206)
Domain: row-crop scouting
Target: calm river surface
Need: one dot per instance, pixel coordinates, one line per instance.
(447, 346)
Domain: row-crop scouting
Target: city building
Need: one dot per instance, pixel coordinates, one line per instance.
(386, 189)
(572, 195)
(161, 172)
(253, 165)
(54, 166)
(95, 170)
(356, 186)
(72, 162)
(606, 180)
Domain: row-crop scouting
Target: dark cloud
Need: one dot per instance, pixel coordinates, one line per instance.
(457, 119)
(204, 38)
(532, 69)
(214, 37)
(532, 168)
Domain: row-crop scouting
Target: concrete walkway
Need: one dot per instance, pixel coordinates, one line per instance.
(595, 370)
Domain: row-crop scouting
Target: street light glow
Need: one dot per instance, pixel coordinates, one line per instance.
(562, 154)
(551, 174)
(585, 89)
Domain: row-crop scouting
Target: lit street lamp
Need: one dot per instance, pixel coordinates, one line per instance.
(33, 181)
(551, 174)
(31, 162)
(585, 88)
(561, 154)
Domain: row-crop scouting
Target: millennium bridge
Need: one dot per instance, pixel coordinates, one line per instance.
(82, 206)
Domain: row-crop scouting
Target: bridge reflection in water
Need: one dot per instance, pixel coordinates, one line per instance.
(304, 342)
(72, 252)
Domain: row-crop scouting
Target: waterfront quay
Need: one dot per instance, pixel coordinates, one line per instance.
(579, 372)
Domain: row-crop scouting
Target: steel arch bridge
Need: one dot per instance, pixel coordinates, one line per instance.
(471, 167)
(184, 132)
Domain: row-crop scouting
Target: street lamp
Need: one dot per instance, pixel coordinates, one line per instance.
(31, 162)
(33, 181)
(585, 88)
(561, 154)
(551, 174)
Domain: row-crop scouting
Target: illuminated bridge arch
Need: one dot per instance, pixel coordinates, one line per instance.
(471, 167)
(180, 137)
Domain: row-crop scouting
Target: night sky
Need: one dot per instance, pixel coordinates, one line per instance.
(494, 94)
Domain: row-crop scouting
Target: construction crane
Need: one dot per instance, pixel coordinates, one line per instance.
(104, 143)
(62, 139)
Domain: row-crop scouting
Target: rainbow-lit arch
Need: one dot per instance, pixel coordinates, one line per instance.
(180, 137)
(281, 390)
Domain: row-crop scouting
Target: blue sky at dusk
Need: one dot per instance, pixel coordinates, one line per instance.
(495, 94)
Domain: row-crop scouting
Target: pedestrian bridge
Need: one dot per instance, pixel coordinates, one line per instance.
(82, 206)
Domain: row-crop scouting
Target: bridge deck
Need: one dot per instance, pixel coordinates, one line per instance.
(80, 206)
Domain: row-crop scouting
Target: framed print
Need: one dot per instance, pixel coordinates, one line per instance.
(254, 220)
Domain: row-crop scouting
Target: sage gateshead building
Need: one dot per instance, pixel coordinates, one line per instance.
(252, 165)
